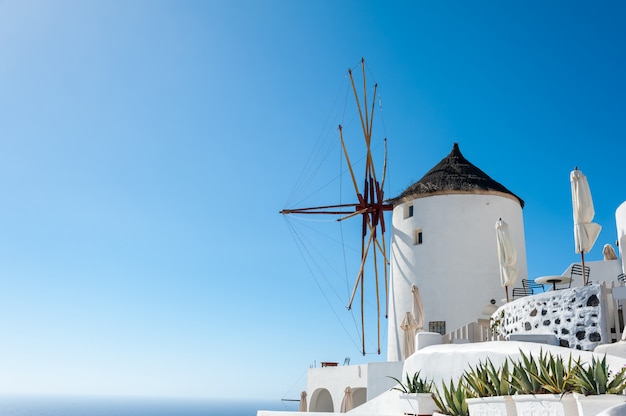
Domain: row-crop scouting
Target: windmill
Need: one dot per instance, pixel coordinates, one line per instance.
(369, 205)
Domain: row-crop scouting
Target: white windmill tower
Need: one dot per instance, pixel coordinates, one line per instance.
(443, 241)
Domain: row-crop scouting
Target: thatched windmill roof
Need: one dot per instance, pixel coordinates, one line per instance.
(454, 175)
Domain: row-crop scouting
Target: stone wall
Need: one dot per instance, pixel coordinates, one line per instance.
(575, 316)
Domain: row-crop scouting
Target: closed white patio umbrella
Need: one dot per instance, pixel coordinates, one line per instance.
(347, 403)
(507, 256)
(585, 232)
(608, 252)
(303, 404)
(409, 326)
(418, 308)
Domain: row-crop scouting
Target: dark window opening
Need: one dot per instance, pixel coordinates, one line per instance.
(418, 237)
(437, 326)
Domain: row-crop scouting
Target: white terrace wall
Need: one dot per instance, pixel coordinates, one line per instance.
(577, 317)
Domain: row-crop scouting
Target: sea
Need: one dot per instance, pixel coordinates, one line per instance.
(125, 406)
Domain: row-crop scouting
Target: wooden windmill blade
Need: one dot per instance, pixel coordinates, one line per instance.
(325, 209)
(373, 199)
(370, 206)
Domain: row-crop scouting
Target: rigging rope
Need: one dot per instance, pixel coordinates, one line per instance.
(343, 245)
(310, 253)
(301, 248)
(316, 157)
(290, 390)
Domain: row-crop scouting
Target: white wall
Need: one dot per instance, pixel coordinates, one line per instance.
(334, 380)
(456, 268)
(620, 221)
(599, 271)
(372, 378)
(449, 361)
(378, 374)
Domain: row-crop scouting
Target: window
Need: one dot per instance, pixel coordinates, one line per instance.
(418, 237)
(437, 326)
(408, 211)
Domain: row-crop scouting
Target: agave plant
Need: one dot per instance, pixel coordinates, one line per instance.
(485, 380)
(596, 379)
(452, 401)
(503, 380)
(547, 374)
(478, 381)
(414, 385)
(554, 375)
(522, 377)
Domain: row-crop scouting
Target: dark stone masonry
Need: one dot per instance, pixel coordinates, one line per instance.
(573, 315)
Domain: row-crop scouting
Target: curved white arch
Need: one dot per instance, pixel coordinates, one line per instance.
(359, 396)
(321, 401)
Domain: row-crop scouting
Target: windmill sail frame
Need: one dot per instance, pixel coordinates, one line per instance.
(371, 206)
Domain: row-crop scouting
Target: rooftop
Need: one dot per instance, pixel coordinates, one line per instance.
(452, 175)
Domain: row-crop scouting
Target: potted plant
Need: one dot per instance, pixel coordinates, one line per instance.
(490, 390)
(543, 385)
(596, 389)
(453, 399)
(416, 384)
(417, 395)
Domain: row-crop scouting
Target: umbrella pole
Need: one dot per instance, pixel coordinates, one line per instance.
(582, 257)
(506, 288)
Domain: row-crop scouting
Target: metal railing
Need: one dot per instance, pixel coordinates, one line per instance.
(613, 306)
(472, 332)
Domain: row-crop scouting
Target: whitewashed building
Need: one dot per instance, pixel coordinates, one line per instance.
(444, 242)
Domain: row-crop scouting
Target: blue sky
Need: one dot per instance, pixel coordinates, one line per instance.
(146, 148)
